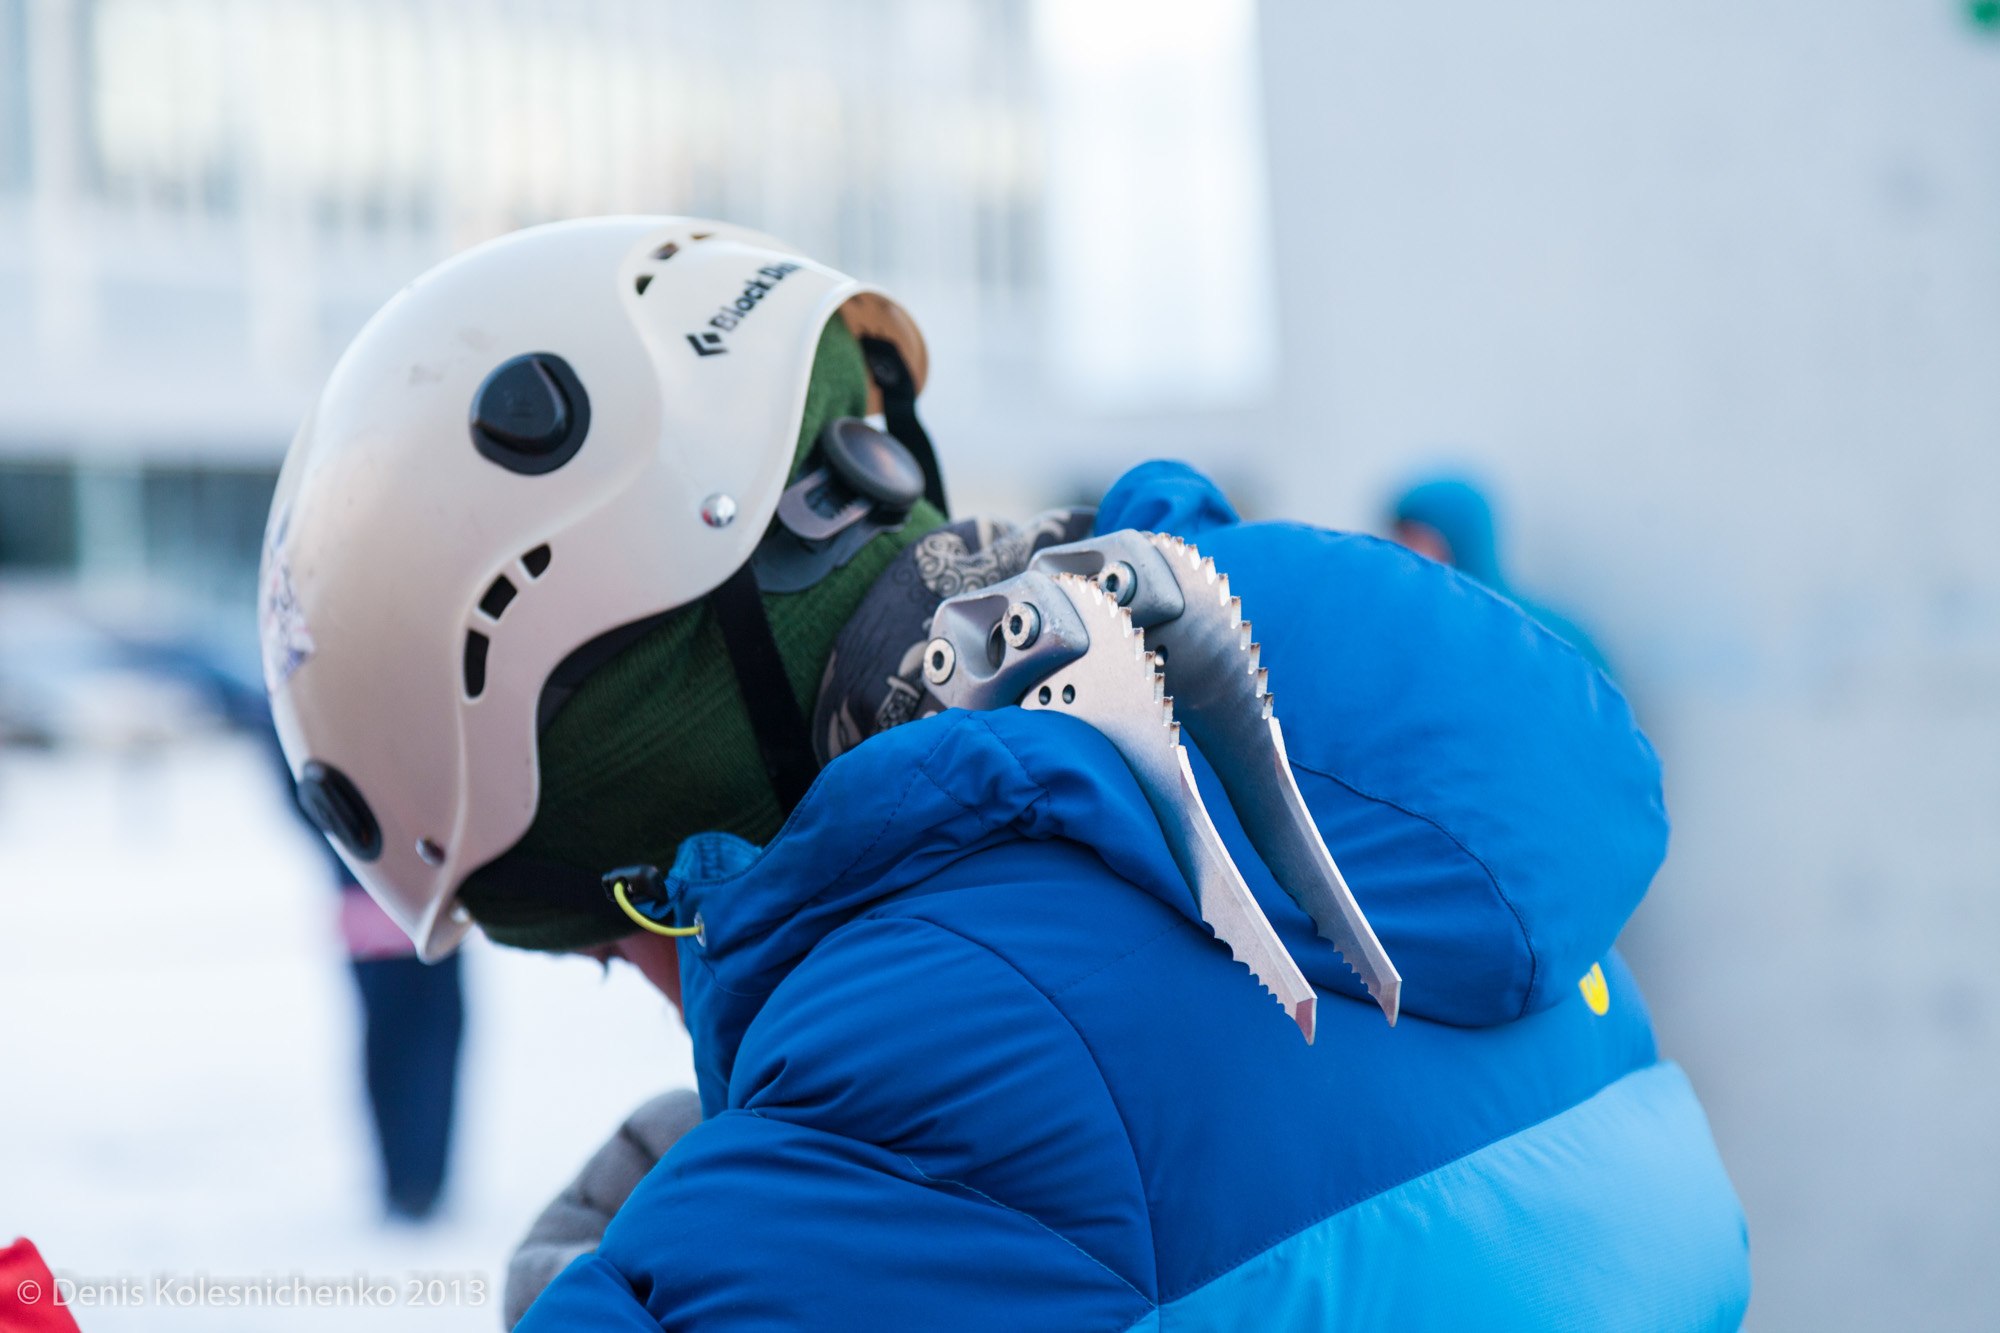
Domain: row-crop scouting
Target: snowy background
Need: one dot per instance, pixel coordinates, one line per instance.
(179, 1088)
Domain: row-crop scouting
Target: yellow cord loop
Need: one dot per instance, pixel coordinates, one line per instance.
(645, 922)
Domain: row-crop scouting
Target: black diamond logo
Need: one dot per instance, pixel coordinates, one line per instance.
(706, 344)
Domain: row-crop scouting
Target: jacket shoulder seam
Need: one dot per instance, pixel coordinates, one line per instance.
(1492, 880)
(948, 1182)
(1124, 1126)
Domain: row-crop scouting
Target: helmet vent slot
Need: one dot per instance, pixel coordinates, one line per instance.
(536, 561)
(667, 251)
(475, 664)
(641, 283)
(498, 594)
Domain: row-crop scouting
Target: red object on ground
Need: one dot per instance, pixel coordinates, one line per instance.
(28, 1293)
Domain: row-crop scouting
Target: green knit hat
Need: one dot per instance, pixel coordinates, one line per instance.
(656, 744)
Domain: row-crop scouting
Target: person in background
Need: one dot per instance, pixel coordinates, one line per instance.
(413, 1020)
(1450, 520)
(412, 1013)
(412, 1024)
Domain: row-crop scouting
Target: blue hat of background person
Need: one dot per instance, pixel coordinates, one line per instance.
(1458, 511)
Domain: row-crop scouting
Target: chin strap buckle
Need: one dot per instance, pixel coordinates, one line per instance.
(641, 894)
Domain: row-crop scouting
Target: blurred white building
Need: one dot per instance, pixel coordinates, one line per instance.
(202, 200)
(210, 195)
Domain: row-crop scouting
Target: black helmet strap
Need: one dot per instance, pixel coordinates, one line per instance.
(899, 413)
(783, 737)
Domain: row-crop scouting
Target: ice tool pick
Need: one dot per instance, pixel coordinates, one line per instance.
(1137, 634)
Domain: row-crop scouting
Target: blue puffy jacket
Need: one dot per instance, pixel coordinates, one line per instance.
(968, 1059)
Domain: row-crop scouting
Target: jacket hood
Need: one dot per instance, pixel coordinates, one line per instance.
(882, 821)
(1460, 513)
(1484, 789)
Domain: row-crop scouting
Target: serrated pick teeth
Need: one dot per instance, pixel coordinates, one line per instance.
(1120, 618)
(1203, 568)
(1104, 616)
(1301, 1011)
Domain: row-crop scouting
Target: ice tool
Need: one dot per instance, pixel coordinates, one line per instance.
(1137, 634)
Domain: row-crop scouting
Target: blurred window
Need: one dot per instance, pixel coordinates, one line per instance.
(204, 528)
(14, 158)
(447, 124)
(37, 516)
(1159, 274)
(156, 100)
(195, 529)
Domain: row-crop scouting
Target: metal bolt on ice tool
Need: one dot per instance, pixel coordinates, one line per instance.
(1089, 656)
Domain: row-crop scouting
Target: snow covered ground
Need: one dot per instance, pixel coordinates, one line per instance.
(179, 1077)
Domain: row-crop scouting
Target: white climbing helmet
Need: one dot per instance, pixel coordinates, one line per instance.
(549, 437)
